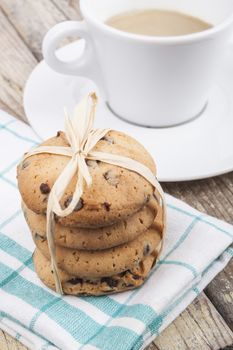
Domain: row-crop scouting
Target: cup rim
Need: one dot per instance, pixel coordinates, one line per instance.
(181, 39)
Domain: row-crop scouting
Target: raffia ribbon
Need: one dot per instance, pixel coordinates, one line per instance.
(82, 139)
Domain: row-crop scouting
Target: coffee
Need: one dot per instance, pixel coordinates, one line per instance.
(157, 23)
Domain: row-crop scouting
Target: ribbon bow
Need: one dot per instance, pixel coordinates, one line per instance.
(82, 139)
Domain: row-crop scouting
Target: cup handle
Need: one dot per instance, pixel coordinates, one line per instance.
(86, 65)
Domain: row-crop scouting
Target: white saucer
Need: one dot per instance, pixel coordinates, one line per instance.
(198, 149)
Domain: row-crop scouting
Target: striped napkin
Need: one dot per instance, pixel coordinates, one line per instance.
(196, 249)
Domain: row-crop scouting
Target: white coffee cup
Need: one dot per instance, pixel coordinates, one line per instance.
(151, 81)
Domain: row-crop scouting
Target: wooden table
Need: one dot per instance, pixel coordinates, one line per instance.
(208, 322)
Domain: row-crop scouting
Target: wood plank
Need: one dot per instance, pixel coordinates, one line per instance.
(200, 326)
(220, 292)
(16, 63)
(69, 8)
(32, 19)
(9, 343)
(213, 196)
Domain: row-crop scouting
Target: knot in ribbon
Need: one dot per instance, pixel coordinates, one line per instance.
(82, 138)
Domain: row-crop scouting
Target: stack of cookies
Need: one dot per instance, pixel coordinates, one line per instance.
(111, 240)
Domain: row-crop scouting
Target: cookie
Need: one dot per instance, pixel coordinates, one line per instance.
(94, 239)
(115, 194)
(73, 285)
(103, 263)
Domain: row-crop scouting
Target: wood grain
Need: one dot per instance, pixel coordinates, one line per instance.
(16, 63)
(9, 343)
(32, 19)
(213, 196)
(69, 8)
(200, 326)
(220, 292)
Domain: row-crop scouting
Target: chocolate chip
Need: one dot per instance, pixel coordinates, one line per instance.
(110, 282)
(78, 206)
(92, 282)
(130, 285)
(111, 177)
(107, 206)
(146, 250)
(67, 201)
(58, 134)
(75, 280)
(136, 277)
(25, 164)
(39, 237)
(147, 198)
(44, 188)
(91, 163)
(121, 274)
(108, 139)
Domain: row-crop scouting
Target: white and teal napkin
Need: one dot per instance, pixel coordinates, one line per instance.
(196, 249)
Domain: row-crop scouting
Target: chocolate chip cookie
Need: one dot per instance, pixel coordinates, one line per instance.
(95, 239)
(115, 194)
(104, 263)
(73, 285)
